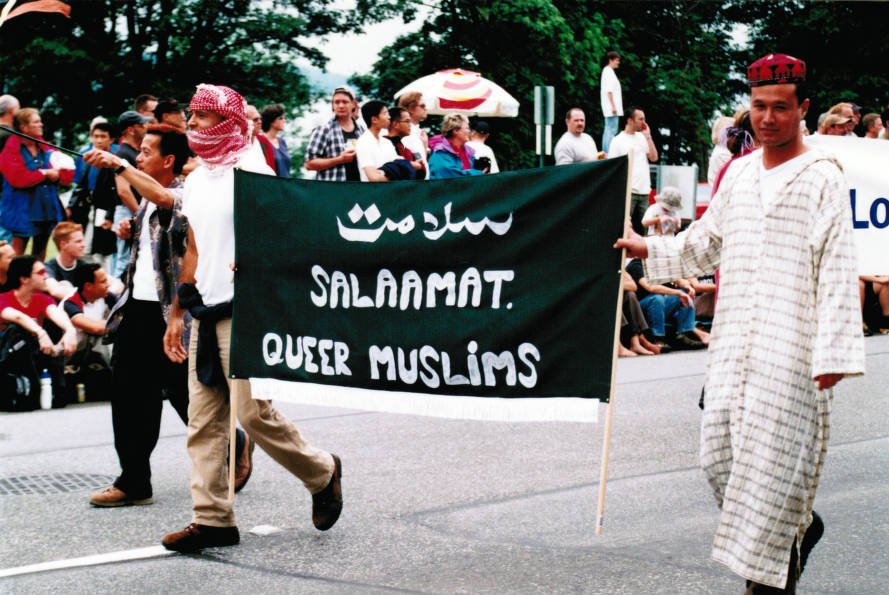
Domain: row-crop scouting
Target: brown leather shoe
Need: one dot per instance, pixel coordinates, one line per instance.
(197, 537)
(112, 497)
(328, 503)
(244, 464)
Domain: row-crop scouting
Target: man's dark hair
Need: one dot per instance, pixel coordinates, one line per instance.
(173, 142)
(801, 90)
(884, 115)
(104, 126)
(480, 127)
(141, 100)
(568, 113)
(83, 274)
(611, 56)
(20, 266)
(395, 113)
(630, 113)
(269, 114)
(370, 109)
(166, 106)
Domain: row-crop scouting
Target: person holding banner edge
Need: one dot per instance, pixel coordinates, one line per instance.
(218, 136)
(781, 212)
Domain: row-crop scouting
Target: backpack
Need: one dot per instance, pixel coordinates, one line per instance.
(88, 368)
(19, 380)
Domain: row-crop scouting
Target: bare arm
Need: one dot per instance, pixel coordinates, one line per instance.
(701, 287)
(173, 346)
(59, 290)
(652, 150)
(125, 192)
(653, 220)
(629, 284)
(88, 325)
(375, 175)
(69, 339)
(320, 163)
(147, 186)
(686, 299)
(686, 286)
(26, 322)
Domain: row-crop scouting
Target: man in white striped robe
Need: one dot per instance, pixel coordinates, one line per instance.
(787, 328)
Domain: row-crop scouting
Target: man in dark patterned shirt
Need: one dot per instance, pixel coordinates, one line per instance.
(142, 373)
(331, 150)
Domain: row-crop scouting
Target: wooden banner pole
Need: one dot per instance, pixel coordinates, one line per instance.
(609, 410)
(234, 395)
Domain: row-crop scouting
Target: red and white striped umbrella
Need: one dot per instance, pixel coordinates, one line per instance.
(465, 92)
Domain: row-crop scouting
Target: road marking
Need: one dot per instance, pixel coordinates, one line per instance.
(155, 551)
(264, 530)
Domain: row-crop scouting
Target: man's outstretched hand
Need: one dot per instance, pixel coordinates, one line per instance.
(634, 243)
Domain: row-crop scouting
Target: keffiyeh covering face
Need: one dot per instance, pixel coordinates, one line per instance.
(223, 143)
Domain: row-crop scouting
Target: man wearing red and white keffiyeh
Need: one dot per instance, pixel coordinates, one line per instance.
(222, 143)
(218, 135)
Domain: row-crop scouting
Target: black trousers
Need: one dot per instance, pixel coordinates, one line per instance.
(142, 376)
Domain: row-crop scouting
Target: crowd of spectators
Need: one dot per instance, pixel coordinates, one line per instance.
(370, 142)
(59, 307)
(734, 138)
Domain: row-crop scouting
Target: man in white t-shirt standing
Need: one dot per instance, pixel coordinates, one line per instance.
(636, 139)
(478, 139)
(575, 146)
(612, 100)
(373, 150)
(218, 136)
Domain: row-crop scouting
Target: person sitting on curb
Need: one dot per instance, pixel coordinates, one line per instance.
(661, 302)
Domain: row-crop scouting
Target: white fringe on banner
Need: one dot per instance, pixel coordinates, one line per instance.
(475, 408)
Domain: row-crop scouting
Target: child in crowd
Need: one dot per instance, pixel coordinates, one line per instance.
(662, 218)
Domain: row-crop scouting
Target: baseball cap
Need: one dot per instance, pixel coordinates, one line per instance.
(345, 90)
(131, 118)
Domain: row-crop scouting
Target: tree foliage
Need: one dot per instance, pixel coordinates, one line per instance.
(516, 43)
(844, 45)
(109, 52)
(682, 62)
(676, 57)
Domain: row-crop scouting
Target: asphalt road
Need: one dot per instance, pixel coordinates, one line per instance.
(441, 506)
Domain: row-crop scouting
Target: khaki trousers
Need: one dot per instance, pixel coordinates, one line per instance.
(208, 424)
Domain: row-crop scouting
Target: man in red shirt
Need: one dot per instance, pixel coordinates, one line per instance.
(27, 306)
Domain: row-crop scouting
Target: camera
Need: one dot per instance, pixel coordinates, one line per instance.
(482, 163)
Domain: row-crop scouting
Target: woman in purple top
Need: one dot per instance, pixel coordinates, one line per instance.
(273, 122)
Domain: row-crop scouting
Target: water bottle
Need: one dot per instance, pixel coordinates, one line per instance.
(45, 390)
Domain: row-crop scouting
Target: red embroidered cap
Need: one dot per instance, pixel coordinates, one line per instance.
(776, 69)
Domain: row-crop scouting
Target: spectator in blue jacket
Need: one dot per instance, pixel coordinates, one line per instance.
(451, 156)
